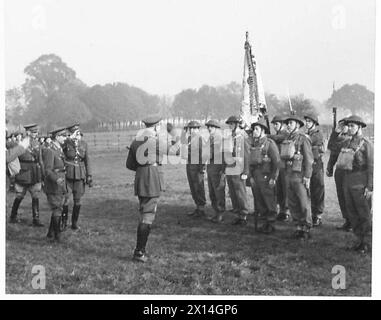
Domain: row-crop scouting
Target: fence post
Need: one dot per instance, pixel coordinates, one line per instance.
(95, 141)
(118, 143)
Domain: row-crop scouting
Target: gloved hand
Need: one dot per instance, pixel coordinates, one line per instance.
(61, 181)
(368, 194)
(272, 182)
(89, 181)
(328, 173)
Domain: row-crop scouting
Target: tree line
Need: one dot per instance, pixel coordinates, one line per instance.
(52, 96)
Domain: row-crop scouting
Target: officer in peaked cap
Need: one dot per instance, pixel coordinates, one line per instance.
(264, 168)
(337, 138)
(317, 178)
(193, 144)
(358, 182)
(148, 180)
(281, 184)
(236, 181)
(30, 176)
(78, 173)
(215, 170)
(55, 184)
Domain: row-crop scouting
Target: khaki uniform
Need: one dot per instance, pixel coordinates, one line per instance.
(297, 192)
(317, 178)
(264, 163)
(355, 182)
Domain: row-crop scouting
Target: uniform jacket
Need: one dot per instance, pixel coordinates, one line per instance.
(76, 159)
(317, 143)
(303, 145)
(363, 159)
(13, 152)
(54, 169)
(144, 158)
(335, 142)
(31, 165)
(271, 150)
(238, 146)
(280, 136)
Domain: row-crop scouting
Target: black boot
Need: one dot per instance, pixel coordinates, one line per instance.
(15, 208)
(36, 213)
(56, 228)
(74, 217)
(50, 234)
(142, 237)
(64, 217)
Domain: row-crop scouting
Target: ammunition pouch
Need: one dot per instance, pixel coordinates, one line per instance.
(345, 159)
(287, 150)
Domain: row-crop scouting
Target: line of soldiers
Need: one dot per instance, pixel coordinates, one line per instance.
(285, 169)
(55, 167)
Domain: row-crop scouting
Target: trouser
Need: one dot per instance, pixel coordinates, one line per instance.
(265, 195)
(357, 205)
(34, 190)
(297, 198)
(147, 209)
(339, 181)
(317, 189)
(77, 188)
(55, 202)
(216, 187)
(237, 190)
(281, 191)
(195, 177)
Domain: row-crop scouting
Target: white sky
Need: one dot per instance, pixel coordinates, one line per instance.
(165, 46)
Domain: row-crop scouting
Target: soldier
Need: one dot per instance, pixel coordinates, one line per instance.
(264, 169)
(215, 170)
(317, 178)
(55, 185)
(296, 153)
(78, 173)
(281, 184)
(356, 159)
(143, 158)
(30, 176)
(195, 167)
(338, 137)
(236, 182)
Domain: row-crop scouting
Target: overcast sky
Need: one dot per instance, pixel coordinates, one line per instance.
(164, 46)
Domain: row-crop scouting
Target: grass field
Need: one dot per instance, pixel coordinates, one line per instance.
(187, 255)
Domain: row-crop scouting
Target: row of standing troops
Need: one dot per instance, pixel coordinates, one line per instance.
(55, 168)
(284, 168)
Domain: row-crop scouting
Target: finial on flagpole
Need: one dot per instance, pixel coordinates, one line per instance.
(247, 35)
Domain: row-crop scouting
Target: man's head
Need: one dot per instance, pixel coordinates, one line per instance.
(355, 125)
(212, 126)
(277, 123)
(152, 121)
(74, 131)
(294, 123)
(259, 128)
(193, 127)
(59, 135)
(233, 122)
(311, 121)
(31, 130)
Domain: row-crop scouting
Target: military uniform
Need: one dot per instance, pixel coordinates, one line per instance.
(317, 178)
(264, 169)
(143, 158)
(29, 178)
(358, 179)
(237, 185)
(298, 164)
(195, 168)
(78, 173)
(335, 142)
(281, 184)
(55, 186)
(215, 172)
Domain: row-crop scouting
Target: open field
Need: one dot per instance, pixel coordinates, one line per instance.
(187, 255)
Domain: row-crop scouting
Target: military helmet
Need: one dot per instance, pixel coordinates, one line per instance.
(295, 118)
(342, 120)
(233, 119)
(355, 119)
(312, 117)
(261, 122)
(213, 123)
(277, 119)
(193, 124)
